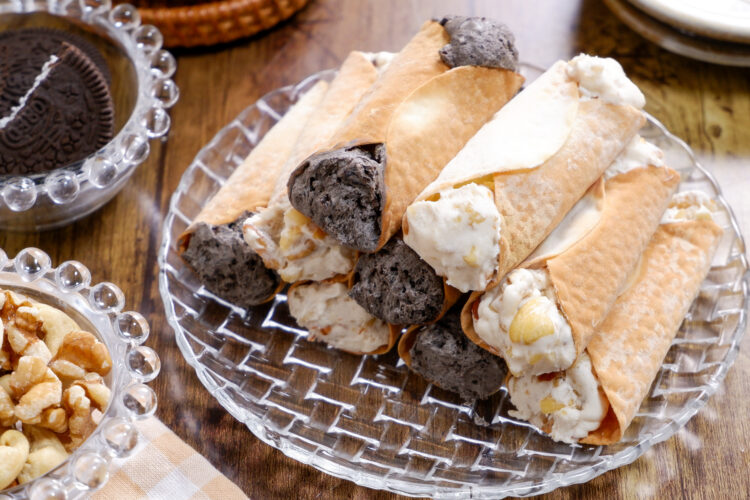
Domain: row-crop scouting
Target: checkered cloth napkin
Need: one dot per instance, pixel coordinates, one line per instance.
(165, 467)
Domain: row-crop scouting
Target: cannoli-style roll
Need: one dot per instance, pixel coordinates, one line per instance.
(523, 171)
(595, 400)
(433, 96)
(442, 355)
(331, 316)
(543, 314)
(395, 285)
(213, 244)
(287, 241)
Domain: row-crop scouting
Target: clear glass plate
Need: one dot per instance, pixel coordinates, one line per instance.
(367, 418)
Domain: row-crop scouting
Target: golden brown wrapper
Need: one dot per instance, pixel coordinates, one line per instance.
(424, 112)
(533, 202)
(414, 65)
(631, 343)
(457, 104)
(633, 203)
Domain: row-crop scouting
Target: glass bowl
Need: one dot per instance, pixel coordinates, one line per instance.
(369, 419)
(142, 91)
(98, 309)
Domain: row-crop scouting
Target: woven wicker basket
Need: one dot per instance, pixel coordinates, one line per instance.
(215, 22)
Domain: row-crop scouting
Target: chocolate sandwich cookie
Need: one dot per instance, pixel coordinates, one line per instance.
(397, 286)
(443, 355)
(65, 116)
(24, 52)
(227, 266)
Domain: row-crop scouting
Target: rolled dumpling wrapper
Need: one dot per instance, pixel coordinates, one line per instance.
(213, 244)
(416, 117)
(442, 355)
(515, 180)
(595, 401)
(542, 316)
(287, 241)
(325, 309)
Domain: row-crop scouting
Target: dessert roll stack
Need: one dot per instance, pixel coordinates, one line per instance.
(542, 315)
(515, 180)
(594, 401)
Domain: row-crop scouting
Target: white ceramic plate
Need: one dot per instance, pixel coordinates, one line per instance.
(677, 41)
(722, 19)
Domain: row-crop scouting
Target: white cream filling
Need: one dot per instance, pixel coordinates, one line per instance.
(299, 250)
(333, 317)
(604, 78)
(380, 60)
(22, 102)
(458, 235)
(639, 153)
(570, 402)
(541, 340)
(690, 205)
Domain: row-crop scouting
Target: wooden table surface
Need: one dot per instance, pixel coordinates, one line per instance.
(708, 106)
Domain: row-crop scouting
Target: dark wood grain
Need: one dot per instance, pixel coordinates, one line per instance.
(708, 106)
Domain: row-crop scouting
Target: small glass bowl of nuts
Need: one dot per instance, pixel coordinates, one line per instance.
(72, 378)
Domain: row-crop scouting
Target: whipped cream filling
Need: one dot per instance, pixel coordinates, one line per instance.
(294, 246)
(690, 205)
(331, 316)
(639, 153)
(458, 235)
(604, 78)
(521, 319)
(380, 60)
(567, 406)
(37, 81)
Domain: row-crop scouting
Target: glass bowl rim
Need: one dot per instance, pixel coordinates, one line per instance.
(125, 36)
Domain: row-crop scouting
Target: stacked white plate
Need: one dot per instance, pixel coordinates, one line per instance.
(716, 31)
(727, 20)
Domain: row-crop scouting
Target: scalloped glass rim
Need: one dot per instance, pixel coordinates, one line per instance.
(226, 378)
(46, 285)
(144, 58)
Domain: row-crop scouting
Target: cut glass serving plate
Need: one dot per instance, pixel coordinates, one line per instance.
(370, 420)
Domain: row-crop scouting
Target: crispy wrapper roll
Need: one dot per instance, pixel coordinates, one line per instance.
(595, 400)
(535, 159)
(584, 265)
(251, 184)
(633, 340)
(224, 262)
(415, 118)
(331, 316)
(299, 253)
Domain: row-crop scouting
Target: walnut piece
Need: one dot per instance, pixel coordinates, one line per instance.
(51, 387)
